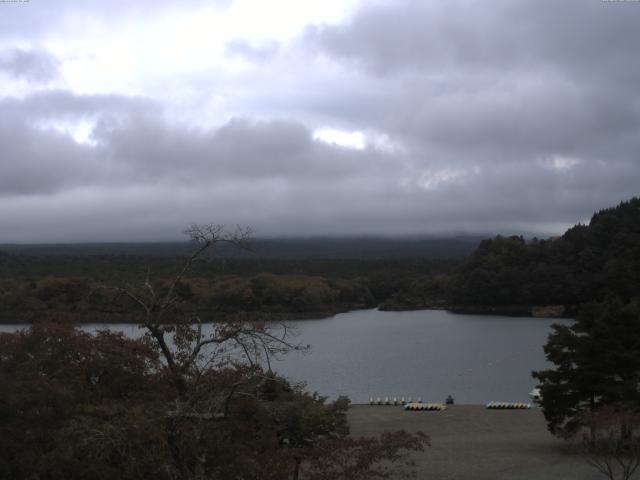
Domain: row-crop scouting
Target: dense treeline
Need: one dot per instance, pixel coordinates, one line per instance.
(83, 285)
(300, 277)
(119, 267)
(264, 293)
(179, 403)
(588, 263)
(285, 248)
(81, 406)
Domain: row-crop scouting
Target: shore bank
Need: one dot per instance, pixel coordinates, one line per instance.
(537, 311)
(276, 315)
(470, 442)
(115, 317)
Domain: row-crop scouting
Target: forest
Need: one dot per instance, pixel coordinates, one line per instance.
(79, 283)
(176, 403)
(506, 274)
(88, 406)
(588, 263)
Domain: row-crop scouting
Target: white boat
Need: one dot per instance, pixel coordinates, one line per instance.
(535, 395)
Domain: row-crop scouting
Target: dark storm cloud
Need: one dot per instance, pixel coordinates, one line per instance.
(573, 35)
(31, 65)
(507, 85)
(56, 104)
(146, 178)
(510, 116)
(240, 149)
(34, 161)
(39, 157)
(131, 144)
(521, 65)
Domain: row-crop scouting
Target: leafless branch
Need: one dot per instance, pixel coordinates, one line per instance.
(614, 445)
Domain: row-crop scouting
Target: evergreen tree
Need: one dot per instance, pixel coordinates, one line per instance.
(588, 263)
(597, 364)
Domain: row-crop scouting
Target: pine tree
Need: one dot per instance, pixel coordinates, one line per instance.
(597, 364)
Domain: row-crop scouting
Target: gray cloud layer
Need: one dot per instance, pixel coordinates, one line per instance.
(514, 116)
(32, 65)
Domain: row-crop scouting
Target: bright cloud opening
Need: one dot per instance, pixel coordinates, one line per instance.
(560, 162)
(342, 138)
(81, 131)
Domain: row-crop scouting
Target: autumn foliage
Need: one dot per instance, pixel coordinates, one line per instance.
(82, 406)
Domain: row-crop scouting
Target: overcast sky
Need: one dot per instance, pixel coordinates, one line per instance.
(129, 120)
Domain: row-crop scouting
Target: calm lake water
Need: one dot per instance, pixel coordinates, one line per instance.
(428, 354)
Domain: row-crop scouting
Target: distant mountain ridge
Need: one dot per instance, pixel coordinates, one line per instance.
(455, 247)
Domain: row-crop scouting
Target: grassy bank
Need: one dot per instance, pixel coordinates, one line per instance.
(471, 442)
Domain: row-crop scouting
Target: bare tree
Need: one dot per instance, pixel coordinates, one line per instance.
(222, 397)
(191, 356)
(612, 445)
(184, 403)
(180, 336)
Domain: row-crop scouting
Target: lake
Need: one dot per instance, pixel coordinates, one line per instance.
(427, 353)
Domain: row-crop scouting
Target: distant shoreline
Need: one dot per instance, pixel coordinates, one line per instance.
(536, 311)
(550, 311)
(10, 318)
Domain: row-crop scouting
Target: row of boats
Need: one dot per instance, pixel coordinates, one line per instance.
(508, 406)
(414, 406)
(410, 404)
(392, 401)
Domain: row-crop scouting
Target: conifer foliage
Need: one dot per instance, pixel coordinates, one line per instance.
(597, 365)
